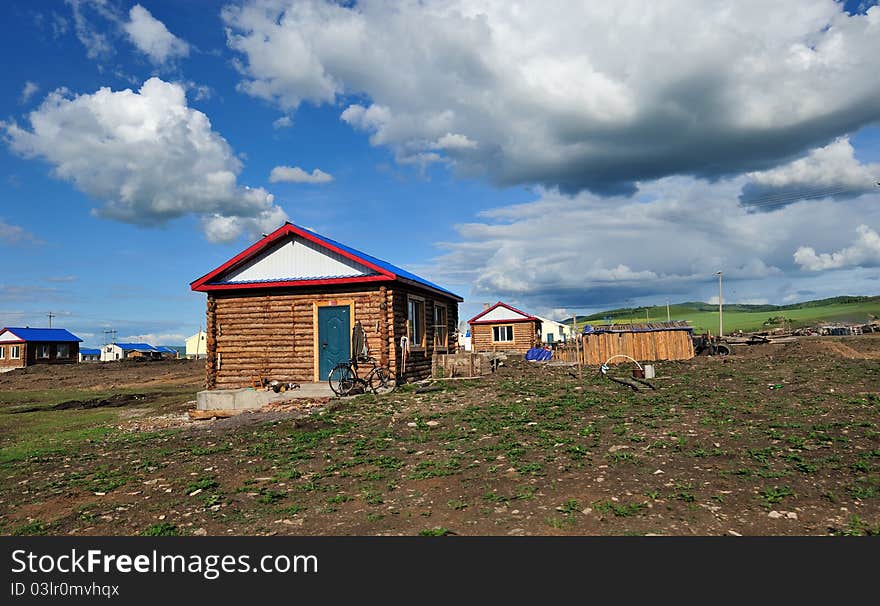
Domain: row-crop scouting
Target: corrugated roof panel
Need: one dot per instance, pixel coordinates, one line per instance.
(296, 259)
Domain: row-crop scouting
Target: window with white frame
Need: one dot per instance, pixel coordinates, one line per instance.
(416, 319)
(16, 352)
(502, 334)
(42, 351)
(62, 350)
(441, 327)
(2, 353)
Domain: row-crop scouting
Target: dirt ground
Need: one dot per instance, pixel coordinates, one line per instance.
(104, 375)
(773, 440)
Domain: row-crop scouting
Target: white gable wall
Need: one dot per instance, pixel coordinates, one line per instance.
(8, 336)
(296, 259)
(502, 313)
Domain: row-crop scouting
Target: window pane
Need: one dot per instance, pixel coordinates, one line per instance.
(440, 329)
(416, 318)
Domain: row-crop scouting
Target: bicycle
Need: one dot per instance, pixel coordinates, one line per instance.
(344, 379)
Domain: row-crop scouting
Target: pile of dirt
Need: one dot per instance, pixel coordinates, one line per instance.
(119, 400)
(104, 375)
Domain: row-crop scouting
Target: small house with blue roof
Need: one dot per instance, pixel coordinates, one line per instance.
(285, 309)
(87, 354)
(20, 347)
(123, 351)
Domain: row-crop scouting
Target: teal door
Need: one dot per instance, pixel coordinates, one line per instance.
(334, 338)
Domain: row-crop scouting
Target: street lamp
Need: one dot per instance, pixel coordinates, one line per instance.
(720, 320)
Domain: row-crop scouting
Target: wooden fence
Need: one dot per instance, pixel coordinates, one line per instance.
(643, 342)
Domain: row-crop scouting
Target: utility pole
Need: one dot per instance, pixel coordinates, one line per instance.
(51, 315)
(646, 316)
(667, 309)
(720, 317)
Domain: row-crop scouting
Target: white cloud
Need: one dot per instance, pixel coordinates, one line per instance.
(830, 171)
(283, 122)
(586, 251)
(152, 38)
(29, 90)
(581, 96)
(13, 234)
(294, 174)
(155, 339)
(97, 44)
(864, 251)
(451, 141)
(147, 157)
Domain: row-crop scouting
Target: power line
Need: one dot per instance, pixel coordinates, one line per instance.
(791, 196)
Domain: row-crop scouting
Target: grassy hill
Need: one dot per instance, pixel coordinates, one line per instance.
(704, 316)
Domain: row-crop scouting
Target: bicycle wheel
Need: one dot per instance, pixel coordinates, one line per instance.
(342, 379)
(382, 381)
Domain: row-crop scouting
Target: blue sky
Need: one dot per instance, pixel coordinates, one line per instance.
(504, 154)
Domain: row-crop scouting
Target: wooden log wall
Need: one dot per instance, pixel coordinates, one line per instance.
(419, 360)
(273, 333)
(643, 346)
(524, 337)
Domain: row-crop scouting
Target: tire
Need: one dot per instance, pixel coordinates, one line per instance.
(341, 379)
(382, 381)
(722, 350)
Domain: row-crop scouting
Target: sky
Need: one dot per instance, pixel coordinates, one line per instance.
(564, 158)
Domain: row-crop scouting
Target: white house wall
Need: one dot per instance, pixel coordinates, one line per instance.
(197, 345)
(8, 336)
(296, 259)
(110, 356)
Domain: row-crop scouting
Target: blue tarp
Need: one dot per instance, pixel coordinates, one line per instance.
(539, 354)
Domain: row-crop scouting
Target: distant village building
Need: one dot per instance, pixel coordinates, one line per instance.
(89, 355)
(553, 331)
(504, 328)
(20, 347)
(285, 309)
(168, 353)
(197, 346)
(124, 351)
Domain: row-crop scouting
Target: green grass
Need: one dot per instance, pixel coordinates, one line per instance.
(163, 529)
(748, 318)
(38, 434)
(47, 432)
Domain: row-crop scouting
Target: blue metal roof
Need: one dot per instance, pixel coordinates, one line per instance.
(135, 346)
(89, 352)
(164, 349)
(55, 335)
(400, 272)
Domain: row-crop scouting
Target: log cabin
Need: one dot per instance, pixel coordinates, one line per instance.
(505, 329)
(284, 309)
(20, 347)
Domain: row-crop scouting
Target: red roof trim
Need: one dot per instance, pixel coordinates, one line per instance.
(475, 319)
(4, 331)
(291, 283)
(487, 322)
(202, 284)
